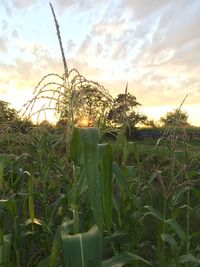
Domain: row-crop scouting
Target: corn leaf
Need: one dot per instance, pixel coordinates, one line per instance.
(56, 208)
(31, 204)
(177, 228)
(121, 178)
(171, 241)
(130, 149)
(44, 263)
(75, 147)
(188, 258)
(106, 161)
(82, 250)
(10, 205)
(154, 212)
(195, 212)
(5, 249)
(89, 142)
(178, 195)
(55, 251)
(122, 259)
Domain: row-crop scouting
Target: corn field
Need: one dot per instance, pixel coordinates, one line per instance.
(71, 198)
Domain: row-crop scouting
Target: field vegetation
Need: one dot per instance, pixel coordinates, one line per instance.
(96, 196)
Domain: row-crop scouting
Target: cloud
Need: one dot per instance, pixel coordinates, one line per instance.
(141, 9)
(6, 5)
(23, 4)
(98, 49)
(154, 46)
(3, 45)
(178, 25)
(78, 5)
(4, 24)
(15, 34)
(85, 45)
(71, 46)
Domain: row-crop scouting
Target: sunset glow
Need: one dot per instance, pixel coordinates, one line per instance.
(152, 45)
(84, 122)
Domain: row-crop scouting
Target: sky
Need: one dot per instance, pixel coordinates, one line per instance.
(154, 45)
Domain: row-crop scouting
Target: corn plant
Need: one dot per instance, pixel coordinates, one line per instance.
(92, 170)
(62, 93)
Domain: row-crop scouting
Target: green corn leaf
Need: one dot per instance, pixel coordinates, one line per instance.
(44, 263)
(178, 195)
(67, 226)
(75, 147)
(56, 208)
(106, 162)
(81, 184)
(89, 142)
(82, 250)
(121, 178)
(129, 150)
(177, 228)
(55, 251)
(129, 170)
(195, 212)
(121, 141)
(116, 206)
(189, 258)
(154, 212)
(5, 250)
(136, 154)
(171, 241)
(122, 259)
(10, 205)
(31, 204)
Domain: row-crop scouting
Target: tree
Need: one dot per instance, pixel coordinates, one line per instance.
(123, 113)
(95, 104)
(7, 114)
(90, 104)
(177, 117)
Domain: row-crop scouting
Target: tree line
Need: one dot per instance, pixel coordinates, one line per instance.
(120, 112)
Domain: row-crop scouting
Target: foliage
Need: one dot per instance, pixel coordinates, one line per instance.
(93, 104)
(11, 121)
(144, 198)
(176, 118)
(7, 114)
(123, 113)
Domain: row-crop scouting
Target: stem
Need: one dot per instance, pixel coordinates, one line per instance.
(76, 220)
(188, 224)
(172, 158)
(74, 203)
(163, 230)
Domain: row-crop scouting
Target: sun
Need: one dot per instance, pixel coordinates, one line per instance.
(84, 122)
